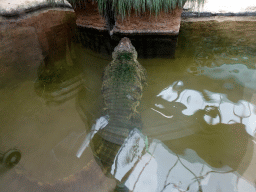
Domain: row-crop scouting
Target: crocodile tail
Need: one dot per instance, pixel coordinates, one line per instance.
(107, 142)
(104, 153)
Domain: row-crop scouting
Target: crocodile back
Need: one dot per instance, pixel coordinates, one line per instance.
(122, 87)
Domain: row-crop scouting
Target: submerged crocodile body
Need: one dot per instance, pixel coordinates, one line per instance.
(123, 82)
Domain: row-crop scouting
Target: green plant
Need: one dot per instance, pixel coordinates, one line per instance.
(124, 7)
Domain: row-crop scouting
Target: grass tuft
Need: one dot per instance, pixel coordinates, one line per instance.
(124, 7)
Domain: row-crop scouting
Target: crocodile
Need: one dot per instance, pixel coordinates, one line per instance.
(123, 82)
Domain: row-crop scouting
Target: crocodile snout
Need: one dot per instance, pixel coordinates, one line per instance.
(124, 50)
(125, 45)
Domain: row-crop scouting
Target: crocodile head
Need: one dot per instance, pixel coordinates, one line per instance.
(125, 50)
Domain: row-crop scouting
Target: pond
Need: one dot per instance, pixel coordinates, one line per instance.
(198, 113)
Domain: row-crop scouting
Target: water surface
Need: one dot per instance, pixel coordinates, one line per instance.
(198, 113)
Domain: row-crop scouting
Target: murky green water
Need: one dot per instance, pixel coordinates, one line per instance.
(198, 113)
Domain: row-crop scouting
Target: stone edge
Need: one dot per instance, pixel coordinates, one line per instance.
(42, 6)
(145, 32)
(188, 14)
(129, 32)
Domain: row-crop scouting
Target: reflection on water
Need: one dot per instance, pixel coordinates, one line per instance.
(196, 129)
(198, 114)
(218, 108)
(162, 170)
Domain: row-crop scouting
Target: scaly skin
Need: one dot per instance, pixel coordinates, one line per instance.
(123, 82)
(122, 89)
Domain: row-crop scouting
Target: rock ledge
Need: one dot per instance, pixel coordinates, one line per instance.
(16, 8)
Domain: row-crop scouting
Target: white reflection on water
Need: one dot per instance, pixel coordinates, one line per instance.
(129, 154)
(240, 112)
(166, 171)
(192, 99)
(162, 113)
(100, 124)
